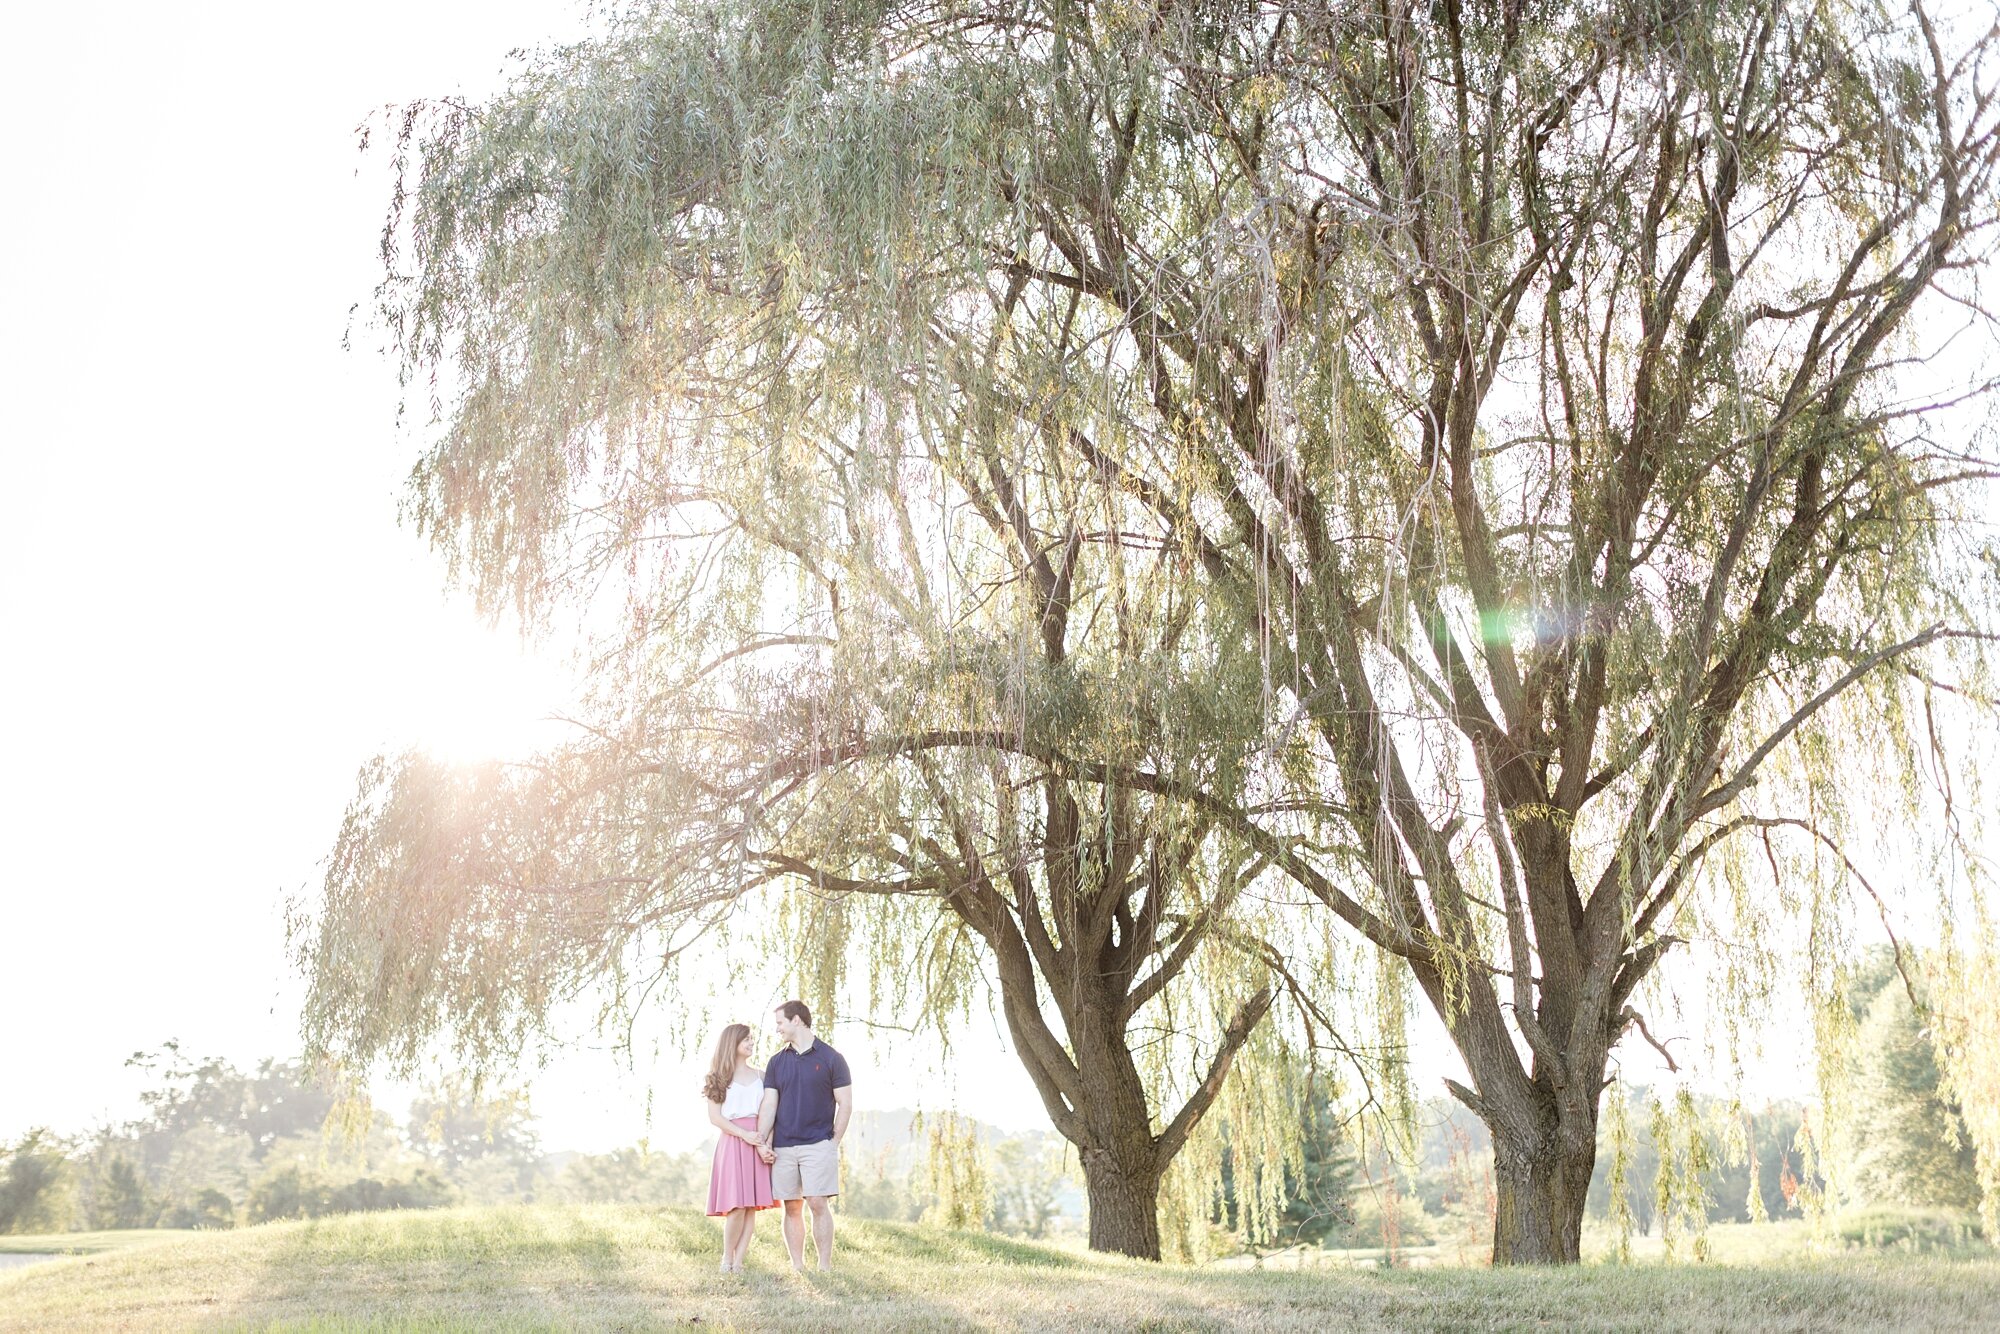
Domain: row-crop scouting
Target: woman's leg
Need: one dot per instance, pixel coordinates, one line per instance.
(748, 1231)
(732, 1226)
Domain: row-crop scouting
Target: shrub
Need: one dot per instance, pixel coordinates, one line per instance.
(1950, 1231)
(290, 1193)
(209, 1210)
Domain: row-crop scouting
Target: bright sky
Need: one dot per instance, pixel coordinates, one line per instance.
(211, 615)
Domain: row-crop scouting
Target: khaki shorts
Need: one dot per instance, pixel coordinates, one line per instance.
(806, 1169)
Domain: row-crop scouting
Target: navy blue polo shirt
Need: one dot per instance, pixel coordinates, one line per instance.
(805, 1086)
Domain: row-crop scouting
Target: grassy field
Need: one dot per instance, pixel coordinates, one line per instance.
(602, 1268)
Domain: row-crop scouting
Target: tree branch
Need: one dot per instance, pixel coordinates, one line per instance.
(1248, 1015)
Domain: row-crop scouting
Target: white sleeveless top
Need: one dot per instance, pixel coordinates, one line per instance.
(743, 1099)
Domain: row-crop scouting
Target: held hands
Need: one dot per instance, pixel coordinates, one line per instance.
(767, 1153)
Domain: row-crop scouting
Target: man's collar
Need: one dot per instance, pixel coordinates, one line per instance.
(803, 1050)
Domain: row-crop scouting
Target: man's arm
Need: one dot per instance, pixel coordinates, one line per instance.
(767, 1112)
(843, 1106)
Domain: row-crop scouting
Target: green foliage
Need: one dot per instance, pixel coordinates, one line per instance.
(884, 1198)
(1319, 1203)
(484, 1139)
(1751, 1162)
(1680, 1193)
(1026, 1180)
(209, 1209)
(955, 1175)
(34, 1183)
(276, 1100)
(1388, 1216)
(1966, 979)
(1616, 1157)
(945, 1168)
(217, 1143)
(205, 1135)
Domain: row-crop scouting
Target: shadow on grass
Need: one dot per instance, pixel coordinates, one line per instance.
(502, 1268)
(591, 1268)
(549, 1268)
(908, 1241)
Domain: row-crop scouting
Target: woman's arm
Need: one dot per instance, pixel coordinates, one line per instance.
(767, 1113)
(728, 1127)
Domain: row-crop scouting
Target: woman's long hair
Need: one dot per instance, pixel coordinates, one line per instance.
(721, 1070)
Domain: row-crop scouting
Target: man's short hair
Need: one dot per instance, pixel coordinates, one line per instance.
(797, 1010)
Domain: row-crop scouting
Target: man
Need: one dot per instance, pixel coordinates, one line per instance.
(807, 1100)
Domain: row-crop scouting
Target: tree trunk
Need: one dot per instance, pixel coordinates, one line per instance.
(1539, 1191)
(1124, 1205)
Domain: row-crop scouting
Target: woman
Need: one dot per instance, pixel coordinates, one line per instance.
(739, 1183)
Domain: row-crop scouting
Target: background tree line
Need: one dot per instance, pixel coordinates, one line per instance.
(217, 1146)
(220, 1147)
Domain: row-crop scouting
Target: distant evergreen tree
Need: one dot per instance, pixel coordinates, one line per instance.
(122, 1201)
(1319, 1195)
(1319, 1203)
(1904, 1142)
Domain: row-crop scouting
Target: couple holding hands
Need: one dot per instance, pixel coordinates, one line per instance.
(781, 1131)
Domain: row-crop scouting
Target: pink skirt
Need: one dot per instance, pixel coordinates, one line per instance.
(739, 1179)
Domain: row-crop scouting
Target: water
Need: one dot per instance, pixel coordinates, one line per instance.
(26, 1258)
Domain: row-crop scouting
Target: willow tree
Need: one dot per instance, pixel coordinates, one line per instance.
(883, 646)
(945, 787)
(1534, 393)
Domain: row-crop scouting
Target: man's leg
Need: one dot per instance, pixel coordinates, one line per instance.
(795, 1232)
(822, 1231)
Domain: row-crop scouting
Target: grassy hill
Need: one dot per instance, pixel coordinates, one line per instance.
(88, 1243)
(618, 1268)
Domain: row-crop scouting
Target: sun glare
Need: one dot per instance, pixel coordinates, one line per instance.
(485, 696)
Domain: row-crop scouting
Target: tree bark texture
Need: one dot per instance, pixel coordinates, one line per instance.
(1539, 1191)
(1124, 1205)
